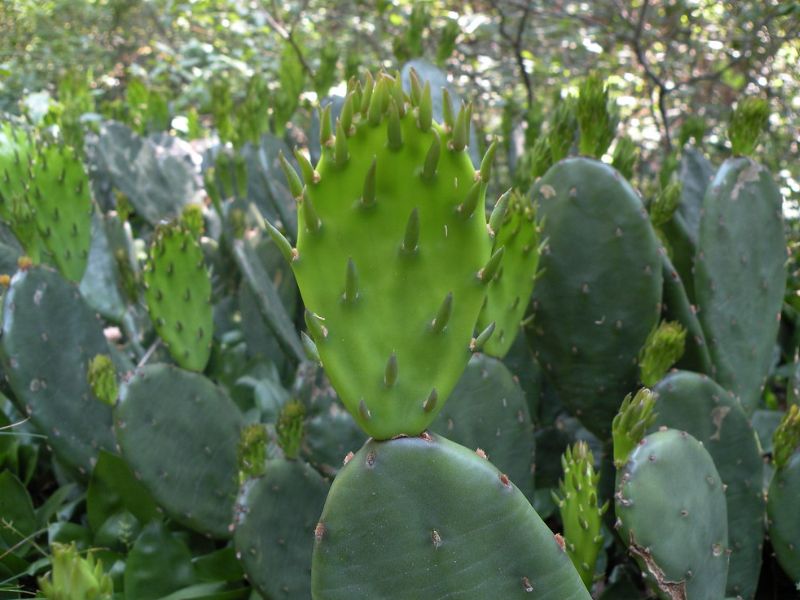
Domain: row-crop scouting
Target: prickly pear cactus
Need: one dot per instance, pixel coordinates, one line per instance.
(514, 226)
(671, 512)
(441, 506)
(393, 255)
(696, 404)
(48, 339)
(179, 434)
(600, 290)
(73, 577)
(275, 519)
(60, 197)
(784, 490)
(178, 295)
(740, 278)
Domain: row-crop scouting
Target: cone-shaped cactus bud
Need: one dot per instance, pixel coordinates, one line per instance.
(397, 94)
(350, 282)
(390, 372)
(366, 97)
(73, 577)
(662, 349)
(499, 212)
(289, 253)
(192, 219)
(467, 208)
(581, 517)
(346, 116)
(664, 205)
(393, 129)
(624, 157)
(102, 378)
(477, 343)
(289, 428)
(487, 161)
(628, 428)
(432, 158)
(693, 127)
(460, 130)
(447, 110)
(492, 267)
(443, 315)
(411, 237)
(309, 347)
(416, 87)
(292, 178)
(325, 127)
(368, 194)
(376, 103)
(747, 123)
(562, 130)
(310, 216)
(594, 119)
(425, 110)
(310, 176)
(252, 451)
(786, 438)
(340, 152)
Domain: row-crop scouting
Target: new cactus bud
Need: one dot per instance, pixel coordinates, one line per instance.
(290, 428)
(786, 438)
(663, 348)
(252, 451)
(664, 205)
(73, 577)
(749, 120)
(103, 379)
(594, 119)
(629, 426)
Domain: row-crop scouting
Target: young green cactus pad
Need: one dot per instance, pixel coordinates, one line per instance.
(49, 336)
(696, 404)
(740, 278)
(179, 433)
(670, 507)
(59, 195)
(73, 577)
(784, 490)
(487, 410)
(748, 121)
(275, 519)
(178, 295)
(581, 515)
(508, 294)
(392, 256)
(662, 349)
(629, 425)
(600, 290)
(448, 523)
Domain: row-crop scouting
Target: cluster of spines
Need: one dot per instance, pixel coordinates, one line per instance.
(375, 101)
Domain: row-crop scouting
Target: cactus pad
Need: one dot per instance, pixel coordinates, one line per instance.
(740, 278)
(179, 434)
(783, 516)
(391, 257)
(448, 524)
(178, 295)
(49, 338)
(599, 293)
(509, 292)
(671, 512)
(276, 517)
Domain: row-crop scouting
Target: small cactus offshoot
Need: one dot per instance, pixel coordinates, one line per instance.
(252, 452)
(664, 205)
(73, 577)
(786, 438)
(663, 348)
(595, 121)
(580, 514)
(747, 123)
(103, 379)
(290, 428)
(633, 419)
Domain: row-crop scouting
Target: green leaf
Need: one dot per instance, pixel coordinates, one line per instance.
(158, 564)
(17, 517)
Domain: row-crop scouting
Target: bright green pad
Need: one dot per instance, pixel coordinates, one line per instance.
(179, 433)
(49, 336)
(60, 196)
(508, 295)
(600, 290)
(276, 517)
(784, 516)
(399, 293)
(418, 518)
(676, 307)
(671, 512)
(740, 277)
(178, 296)
(696, 404)
(487, 410)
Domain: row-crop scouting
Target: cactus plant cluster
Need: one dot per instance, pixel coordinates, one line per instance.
(368, 374)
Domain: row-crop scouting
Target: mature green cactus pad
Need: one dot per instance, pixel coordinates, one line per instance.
(178, 295)
(422, 517)
(487, 410)
(59, 194)
(392, 255)
(275, 520)
(696, 404)
(49, 337)
(600, 290)
(740, 277)
(509, 292)
(671, 512)
(784, 517)
(179, 433)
